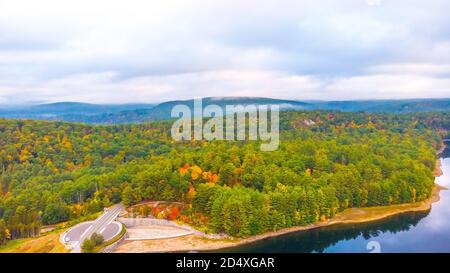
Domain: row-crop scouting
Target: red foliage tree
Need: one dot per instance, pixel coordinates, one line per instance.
(174, 213)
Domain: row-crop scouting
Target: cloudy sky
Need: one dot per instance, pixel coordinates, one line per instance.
(150, 51)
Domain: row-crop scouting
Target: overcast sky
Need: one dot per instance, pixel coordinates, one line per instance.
(151, 51)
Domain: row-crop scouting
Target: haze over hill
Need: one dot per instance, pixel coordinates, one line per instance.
(132, 113)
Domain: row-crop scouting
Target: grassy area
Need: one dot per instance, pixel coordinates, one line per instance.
(48, 243)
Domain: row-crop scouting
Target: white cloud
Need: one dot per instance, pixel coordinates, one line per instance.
(104, 88)
(428, 69)
(389, 86)
(118, 51)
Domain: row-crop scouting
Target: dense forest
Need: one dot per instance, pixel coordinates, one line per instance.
(52, 172)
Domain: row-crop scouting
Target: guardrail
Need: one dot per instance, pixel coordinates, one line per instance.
(110, 248)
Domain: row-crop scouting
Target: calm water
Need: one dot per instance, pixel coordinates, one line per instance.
(409, 232)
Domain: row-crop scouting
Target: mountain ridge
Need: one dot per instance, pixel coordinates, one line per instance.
(141, 112)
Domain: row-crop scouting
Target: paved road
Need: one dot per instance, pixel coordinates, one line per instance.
(98, 226)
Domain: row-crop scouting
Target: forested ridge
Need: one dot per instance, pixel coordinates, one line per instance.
(54, 171)
(133, 113)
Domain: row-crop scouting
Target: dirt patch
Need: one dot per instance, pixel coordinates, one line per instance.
(181, 244)
(153, 232)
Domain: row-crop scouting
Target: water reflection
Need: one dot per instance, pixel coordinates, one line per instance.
(318, 240)
(446, 152)
(409, 232)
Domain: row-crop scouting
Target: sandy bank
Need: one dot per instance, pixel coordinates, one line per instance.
(353, 215)
(348, 216)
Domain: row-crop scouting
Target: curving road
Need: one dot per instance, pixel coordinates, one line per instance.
(98, 226)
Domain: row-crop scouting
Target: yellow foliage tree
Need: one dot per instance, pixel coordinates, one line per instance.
(353, 125)
(24, 155)
(308, 172)
(196, 171)
(191, 193)
(87, 160)
(66, 143)
(206, 176)
(10, 158)
(70, 166)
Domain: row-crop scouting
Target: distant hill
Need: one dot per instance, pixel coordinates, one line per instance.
(162, 111)
(86, 108)
(132, 113)
(128, 116)
(387, 106)
(71, 111)
(413, 106)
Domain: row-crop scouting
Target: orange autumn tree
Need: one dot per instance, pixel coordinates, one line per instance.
(206, 176)
(210, 178)
(184, 169)
(155, 211)
(214, 179)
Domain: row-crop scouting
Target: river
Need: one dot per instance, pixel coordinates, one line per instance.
(408, 232)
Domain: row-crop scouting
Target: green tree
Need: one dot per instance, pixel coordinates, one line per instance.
(97, 239)
(88, 246)
(55, 213)
(128, 196)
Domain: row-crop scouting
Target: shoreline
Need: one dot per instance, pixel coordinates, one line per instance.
(348, 216)
(441, 150)
(438, 170)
